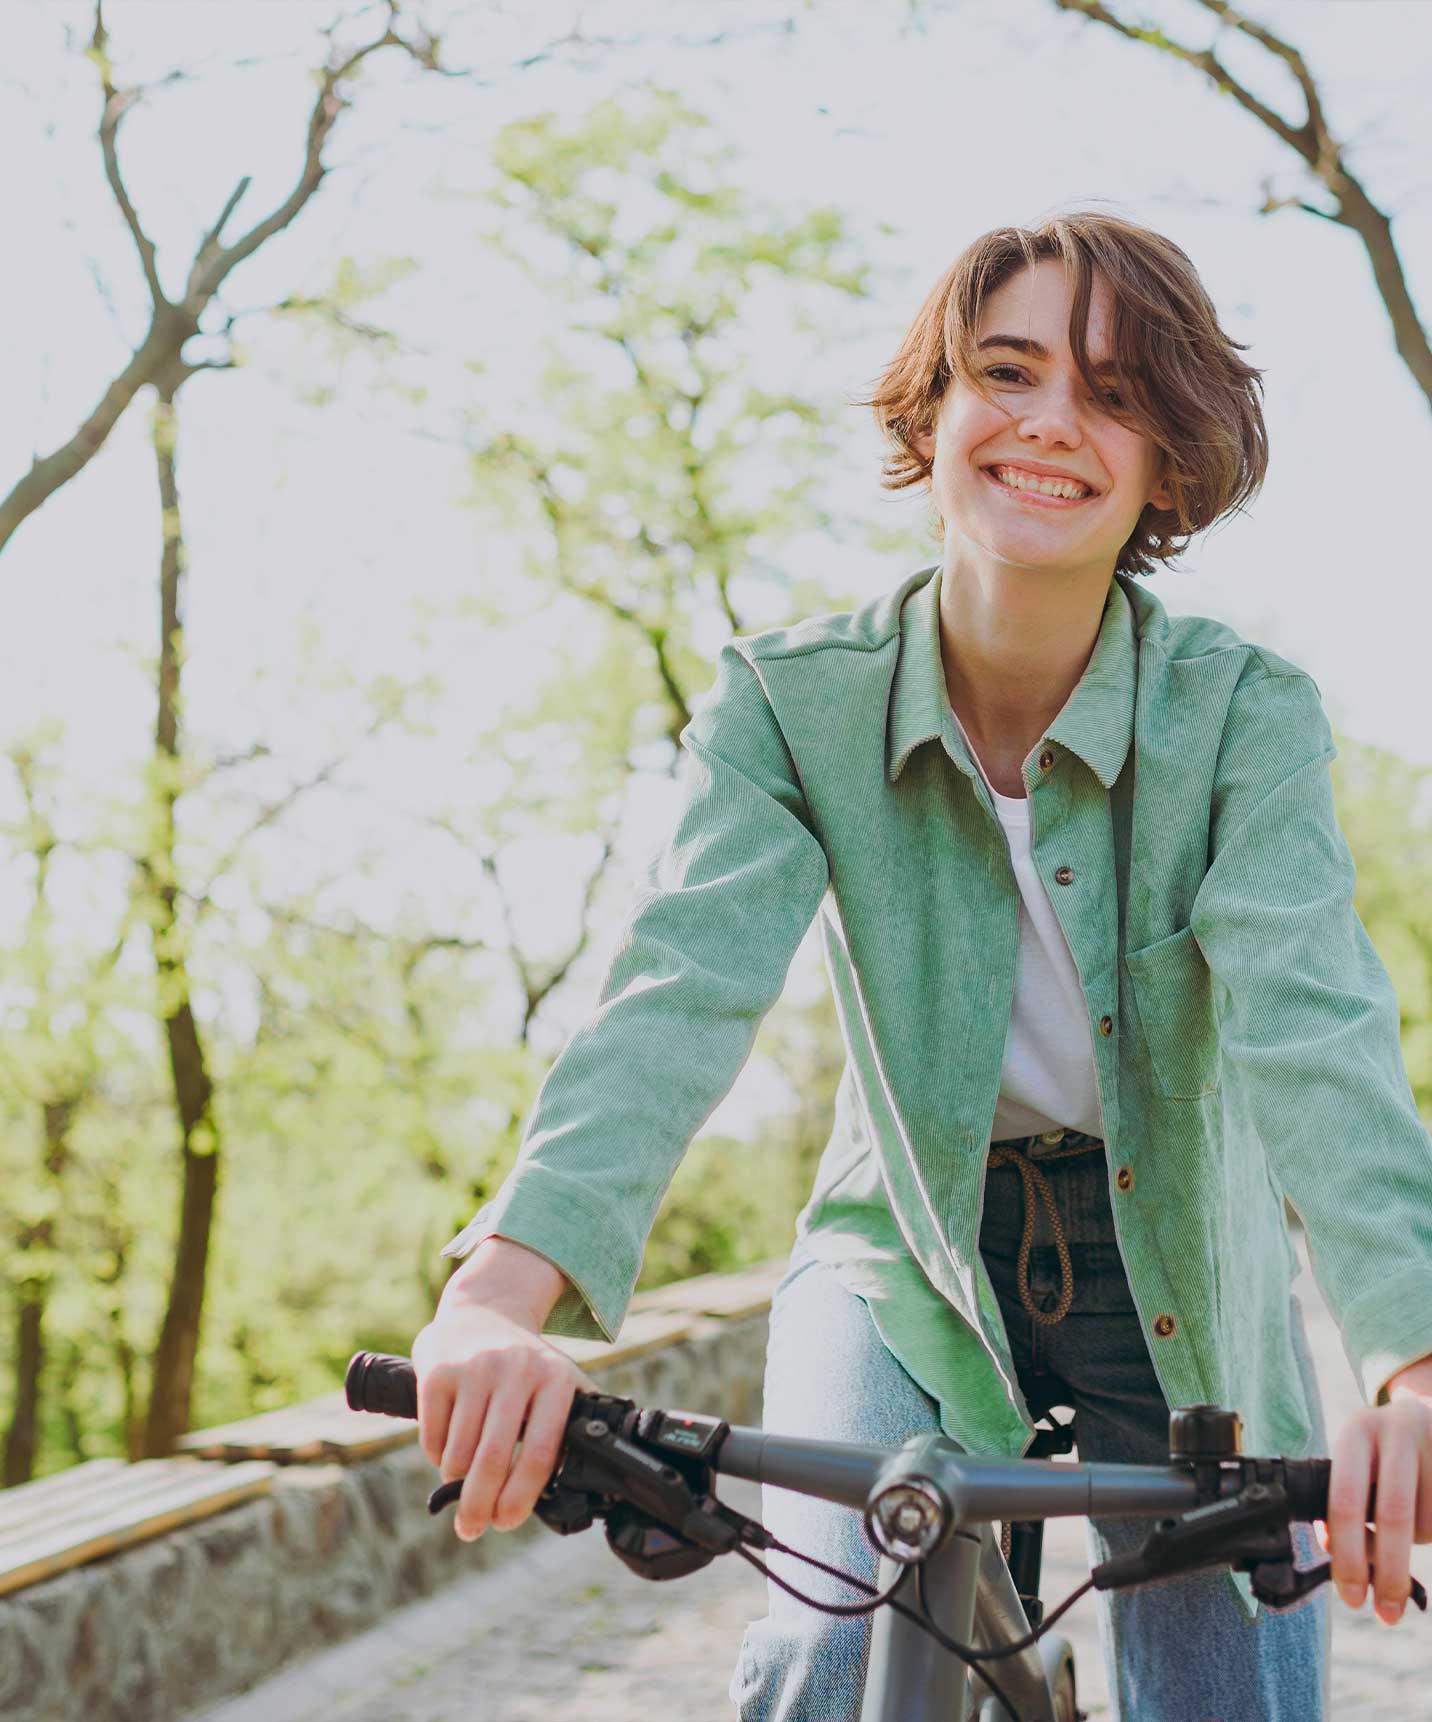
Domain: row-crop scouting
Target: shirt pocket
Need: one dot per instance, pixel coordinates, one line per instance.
(1174, 993)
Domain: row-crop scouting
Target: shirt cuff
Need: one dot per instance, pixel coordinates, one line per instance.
(593, 1302)
(1389, 1328)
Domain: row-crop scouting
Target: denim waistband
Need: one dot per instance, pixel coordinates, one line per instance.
(1039, 1146)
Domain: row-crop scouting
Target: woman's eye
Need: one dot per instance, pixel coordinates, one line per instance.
(1111, 396)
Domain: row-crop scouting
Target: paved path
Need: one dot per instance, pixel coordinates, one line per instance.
(563, 1631)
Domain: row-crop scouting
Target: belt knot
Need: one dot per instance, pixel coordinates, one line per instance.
(1036, 1184)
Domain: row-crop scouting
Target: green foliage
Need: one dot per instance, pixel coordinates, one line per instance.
(1385, 808)
(654, 467)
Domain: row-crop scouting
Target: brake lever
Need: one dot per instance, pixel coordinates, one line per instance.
(1247, 1531)
(662, 1519)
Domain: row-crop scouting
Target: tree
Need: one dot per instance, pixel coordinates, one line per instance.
(158, 361)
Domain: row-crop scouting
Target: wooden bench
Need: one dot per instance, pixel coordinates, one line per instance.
(315, 1430)
(103, 1505)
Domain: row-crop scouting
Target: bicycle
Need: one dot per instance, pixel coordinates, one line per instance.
(929, 1509)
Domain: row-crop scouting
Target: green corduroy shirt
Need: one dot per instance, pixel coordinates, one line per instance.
(1245, 1032)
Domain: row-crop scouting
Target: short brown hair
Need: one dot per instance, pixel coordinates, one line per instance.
(1180, 376)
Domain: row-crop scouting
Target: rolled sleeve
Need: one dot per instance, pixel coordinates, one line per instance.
(702, 957)
(1309, 1027)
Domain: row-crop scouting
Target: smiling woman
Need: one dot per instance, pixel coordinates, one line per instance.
(1163, 367)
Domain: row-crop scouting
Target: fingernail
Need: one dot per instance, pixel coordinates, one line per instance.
(1349, 1593)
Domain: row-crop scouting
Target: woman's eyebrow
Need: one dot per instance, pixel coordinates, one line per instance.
(1037, 350)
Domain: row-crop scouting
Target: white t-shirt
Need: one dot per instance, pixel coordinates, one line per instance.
(1047, 1081)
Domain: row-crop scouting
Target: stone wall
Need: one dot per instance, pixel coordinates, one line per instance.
(209, 1609)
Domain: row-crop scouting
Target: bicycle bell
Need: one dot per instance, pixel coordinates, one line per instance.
(1203, 1433)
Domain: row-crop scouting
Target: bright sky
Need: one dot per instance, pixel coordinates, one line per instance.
(926, 136)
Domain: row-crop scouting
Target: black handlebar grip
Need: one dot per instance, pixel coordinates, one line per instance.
(377, 1382)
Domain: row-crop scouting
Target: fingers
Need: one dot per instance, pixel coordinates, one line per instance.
(435, 1402)
(489, 1468)
(1422, 1521)
(541, 1443)
(1348, 1484)
(1397, 1477)
(464, 1431)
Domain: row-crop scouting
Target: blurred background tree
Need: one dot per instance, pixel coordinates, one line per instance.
(648, 487)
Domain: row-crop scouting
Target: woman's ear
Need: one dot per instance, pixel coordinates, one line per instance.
(1161, 497)
(923, 445)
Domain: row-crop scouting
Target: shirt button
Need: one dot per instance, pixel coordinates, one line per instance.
(1063, 875)
(1106, 1025)
(1046, 759)
(1124, 1178)
(1163, 1325)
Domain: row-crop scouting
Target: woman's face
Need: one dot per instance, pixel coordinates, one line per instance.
(1041, 417)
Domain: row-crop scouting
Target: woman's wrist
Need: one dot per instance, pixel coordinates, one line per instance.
(509, 1278)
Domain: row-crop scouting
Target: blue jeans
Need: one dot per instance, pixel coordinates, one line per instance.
(1178, 1651)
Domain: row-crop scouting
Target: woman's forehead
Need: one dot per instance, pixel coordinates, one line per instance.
(1035, 303)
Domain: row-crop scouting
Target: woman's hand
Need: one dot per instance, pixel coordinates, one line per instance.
(487, 1380)
(1390, 1445)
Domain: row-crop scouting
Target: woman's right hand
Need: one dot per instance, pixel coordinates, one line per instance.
(487, 1378)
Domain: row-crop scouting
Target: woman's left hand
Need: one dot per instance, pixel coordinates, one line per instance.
(1390, 1445)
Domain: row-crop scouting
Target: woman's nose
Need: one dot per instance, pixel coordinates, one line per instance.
(1054, 413)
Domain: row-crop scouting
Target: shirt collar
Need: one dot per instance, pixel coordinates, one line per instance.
(1096, 722)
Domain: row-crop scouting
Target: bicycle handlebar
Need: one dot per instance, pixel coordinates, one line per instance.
(978, 1488)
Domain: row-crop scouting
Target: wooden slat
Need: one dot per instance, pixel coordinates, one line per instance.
(57, 1497)
(323, 1428)
(147, 1499)
(150, 1483)
(730, 1295)
(26, 1500)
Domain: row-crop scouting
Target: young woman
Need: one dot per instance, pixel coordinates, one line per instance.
(1088, 918)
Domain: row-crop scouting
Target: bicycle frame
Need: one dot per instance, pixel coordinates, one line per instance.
(968, 1587)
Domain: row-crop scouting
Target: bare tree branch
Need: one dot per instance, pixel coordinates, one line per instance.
(275, 809)
(1313, 141)
(116, 105)
(535, 987)
(173, 323)
(559, 973)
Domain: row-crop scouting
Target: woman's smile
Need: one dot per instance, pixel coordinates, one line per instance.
(1034, 498)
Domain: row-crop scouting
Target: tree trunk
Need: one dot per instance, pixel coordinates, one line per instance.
(29, 1361)
(172, 1384)
(32, 1294)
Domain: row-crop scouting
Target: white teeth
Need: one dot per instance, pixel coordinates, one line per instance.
(1017, 480)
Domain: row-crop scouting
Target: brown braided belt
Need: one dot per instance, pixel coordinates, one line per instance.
(1036, 1184)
